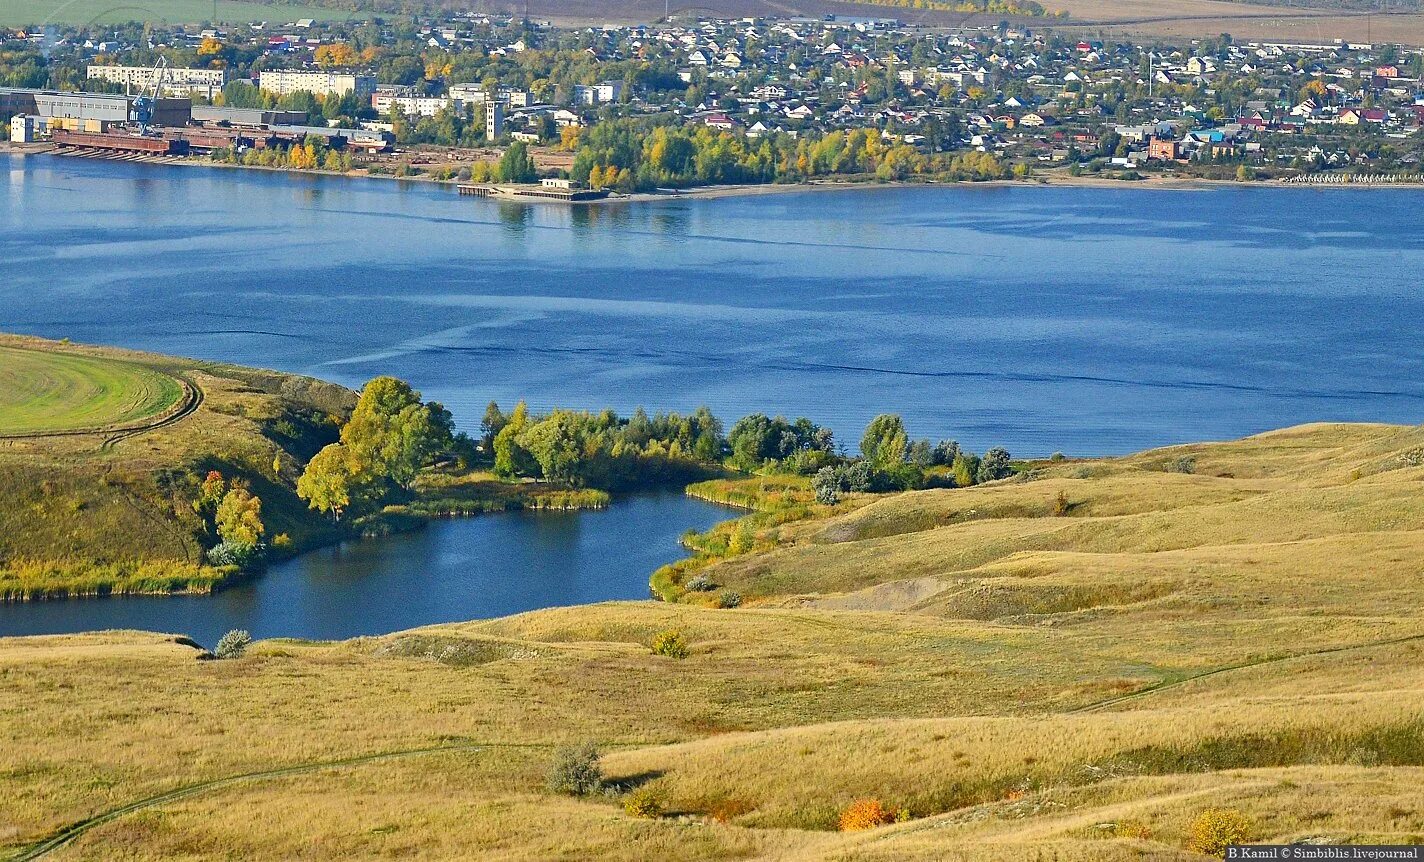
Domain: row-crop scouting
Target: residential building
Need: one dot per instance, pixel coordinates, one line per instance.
(284, 82)
(143, 79)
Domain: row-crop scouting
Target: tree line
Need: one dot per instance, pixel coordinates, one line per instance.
(638, 155)
(392, 435)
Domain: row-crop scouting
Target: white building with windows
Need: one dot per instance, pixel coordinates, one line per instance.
(176, 81)
(601, 93)
(285, 82)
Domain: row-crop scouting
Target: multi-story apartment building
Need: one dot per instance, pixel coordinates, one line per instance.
(182, 81)
(284, 82)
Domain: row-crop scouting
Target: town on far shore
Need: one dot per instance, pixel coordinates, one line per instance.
(505, 106)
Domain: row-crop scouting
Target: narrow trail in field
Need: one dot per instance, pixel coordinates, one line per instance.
(68, 833)
(1160, 687)
(192, 400)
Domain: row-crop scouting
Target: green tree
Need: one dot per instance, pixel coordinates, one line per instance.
(326, 483)
(965, 469)
(239, 517)
(884, 442)
(510, 458)
(558, 442)
(391, 434)
(517, 166)
(493, 423)
(994, 466)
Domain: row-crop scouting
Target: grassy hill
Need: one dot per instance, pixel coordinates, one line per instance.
(101, 450)
(1076, 663)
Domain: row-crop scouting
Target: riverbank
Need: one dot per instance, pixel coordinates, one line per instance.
(1050, 177)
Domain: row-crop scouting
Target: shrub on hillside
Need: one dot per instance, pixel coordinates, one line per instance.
(644, 802)
(827, 486)
(1184, 464)
(729, 599)
(575, 770)
(238, 554)
(700, 584)
(233, 644)
(1216, 829)
(1061, 504)
(669, 643)
(866, 814)
(994, 465)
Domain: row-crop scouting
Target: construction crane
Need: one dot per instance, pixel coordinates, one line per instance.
(146, 104)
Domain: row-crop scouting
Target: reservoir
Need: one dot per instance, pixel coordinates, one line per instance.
(1087, 320)
(1083, 320)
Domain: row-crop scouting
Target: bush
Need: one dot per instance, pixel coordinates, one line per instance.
(995, 465)
(700, 584)
(238, 554)
(1061, 504)
(1184, 464)
(575, 770)
(729, 599)
(644, 802)
(827, 486)
(233, 644)
(858, 477)
(1217, 828)
(866, 814)
(670, 644)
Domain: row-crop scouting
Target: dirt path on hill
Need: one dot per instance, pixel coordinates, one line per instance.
(69, 833)
(1155, 689)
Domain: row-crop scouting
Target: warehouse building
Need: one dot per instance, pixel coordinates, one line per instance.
(254, 118)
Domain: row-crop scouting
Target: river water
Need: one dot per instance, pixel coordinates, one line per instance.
(1086, 320)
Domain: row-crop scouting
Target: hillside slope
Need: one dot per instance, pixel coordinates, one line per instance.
(1023, 684)
(99, 500)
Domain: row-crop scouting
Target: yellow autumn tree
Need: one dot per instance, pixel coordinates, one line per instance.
(335, 54)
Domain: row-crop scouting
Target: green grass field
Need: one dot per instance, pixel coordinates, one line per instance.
(43, 391)
(22, 13)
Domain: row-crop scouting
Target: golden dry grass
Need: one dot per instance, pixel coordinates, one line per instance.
(1077, 687)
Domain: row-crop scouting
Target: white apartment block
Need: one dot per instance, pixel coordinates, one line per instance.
(469, 93)
(284, 82)
(598, 94)
(411, 106)
(175, 80)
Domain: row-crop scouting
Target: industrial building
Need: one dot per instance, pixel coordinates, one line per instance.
(48, 110)
(358, 139)
(246, 117)
(285, 82)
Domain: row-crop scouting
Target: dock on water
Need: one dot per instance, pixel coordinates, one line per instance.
(561, 191)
